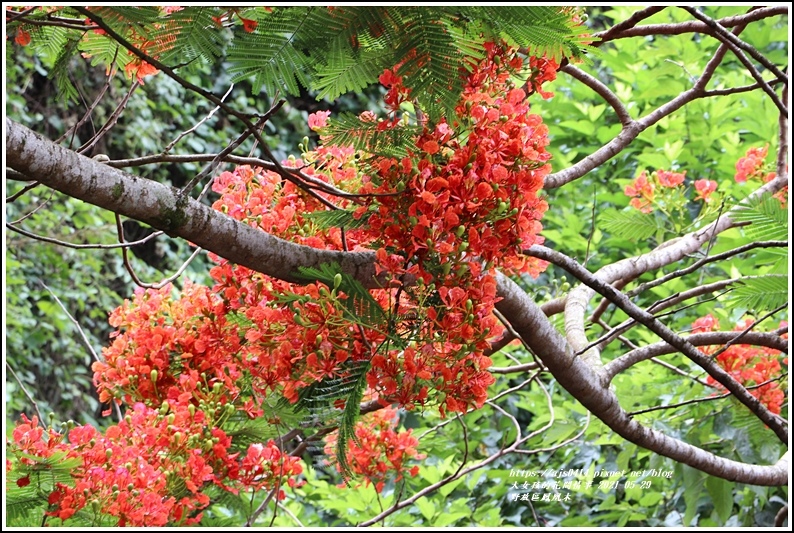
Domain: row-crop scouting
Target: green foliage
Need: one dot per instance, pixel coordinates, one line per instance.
(768, 219)
(22, 503)
(361, 308)
(338, 218)
(347, 129)
(633, 225)
(759, 294)
(189, 36)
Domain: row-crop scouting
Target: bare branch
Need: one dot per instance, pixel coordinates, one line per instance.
(782, 147)
(649, 321)
(22, 191)
(602, 90)
(701, 400)
(81, 246)
(720, 31)
(83, 336)
(592, 390)
(625, 25)
(692, 26)
(110, 122)
(26, 393)
(632, 129)
(197, 124)
(704, 261)
(627, 360)
(660, 305)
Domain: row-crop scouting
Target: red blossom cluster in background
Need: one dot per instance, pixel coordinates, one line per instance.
(654, 190)
(752, 167)
(379, 449)
(752, 366)
(151, 468)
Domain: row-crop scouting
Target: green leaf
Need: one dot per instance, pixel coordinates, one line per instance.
(339, 218)
(721, 492)
(633, 225)
(189, 34)
(348, 129)
(693, 489)
(760, 293)
(347, 72)
(768, 219)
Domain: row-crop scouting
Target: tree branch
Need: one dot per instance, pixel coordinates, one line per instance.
(713, 338)
(602, 90)
(156, 204)
(163, 208)
(690, 26)
(652, 323)
(592, 390)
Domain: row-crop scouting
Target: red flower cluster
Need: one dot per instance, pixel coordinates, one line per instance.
(749, 365)
(379, 449)
(643, 190)
(661, 187)
(151, 468)
(463, 202)
(753, 167)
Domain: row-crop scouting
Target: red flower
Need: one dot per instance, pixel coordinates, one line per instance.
(705, 188)
(22, 38)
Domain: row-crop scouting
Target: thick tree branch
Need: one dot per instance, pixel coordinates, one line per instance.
(156, 204)
(163, 208)
(652, 323)
(632, 129)
(592, 390)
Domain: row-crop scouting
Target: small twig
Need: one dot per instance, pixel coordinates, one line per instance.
(81, 246)
(89, 110)
(131, 270)
(737, 90)
(197, 125)
(699, 400)
(561, 444)
(31, 213)
(289, 513)
(110, 122)
(678, 371)
(705, 260)
(27, 394)
(24, 189)
(748, 329)
(514, 369)
(82, 336)
(12, 16)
